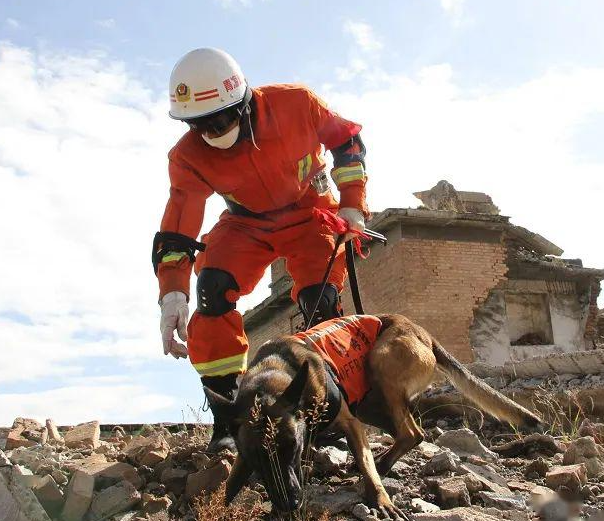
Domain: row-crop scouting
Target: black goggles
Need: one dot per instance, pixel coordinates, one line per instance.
(217, 123)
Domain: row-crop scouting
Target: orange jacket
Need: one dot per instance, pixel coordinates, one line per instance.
(344, 344)
(291, 123)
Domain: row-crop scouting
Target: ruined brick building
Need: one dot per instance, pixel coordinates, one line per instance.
(490, 291)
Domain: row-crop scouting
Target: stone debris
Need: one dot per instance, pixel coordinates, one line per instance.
(85, 435)
(453, 492)
(148, 451)
(154, 475)
(330, 459)
(585, 450)
(78, 496)
(465, 443)
(113, 500)
(53, 431)
(49, 494)
(445, 461)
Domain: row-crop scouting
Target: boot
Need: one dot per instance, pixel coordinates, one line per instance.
(221, 436)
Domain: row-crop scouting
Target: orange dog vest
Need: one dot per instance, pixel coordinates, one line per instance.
(344, 344)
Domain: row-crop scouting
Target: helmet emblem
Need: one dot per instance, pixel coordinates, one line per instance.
(183, 92)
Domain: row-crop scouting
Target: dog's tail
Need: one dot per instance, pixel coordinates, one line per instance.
(481, 394)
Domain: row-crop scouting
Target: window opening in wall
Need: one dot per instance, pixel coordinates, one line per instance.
(529, 320)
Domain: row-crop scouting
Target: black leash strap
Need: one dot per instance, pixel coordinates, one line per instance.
(352, 278)
(352, 273)
(325, 277)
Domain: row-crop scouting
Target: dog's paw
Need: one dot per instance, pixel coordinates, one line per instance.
(388, 510)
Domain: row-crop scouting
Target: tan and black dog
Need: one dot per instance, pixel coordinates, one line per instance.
(289, 375)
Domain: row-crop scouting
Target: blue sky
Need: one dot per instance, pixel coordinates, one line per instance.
(502, 97)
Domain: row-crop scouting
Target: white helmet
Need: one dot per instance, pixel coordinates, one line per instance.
(205, 81)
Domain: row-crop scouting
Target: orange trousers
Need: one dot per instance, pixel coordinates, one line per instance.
(245, 247)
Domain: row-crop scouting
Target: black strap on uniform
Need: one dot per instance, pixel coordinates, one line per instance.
(172, 241)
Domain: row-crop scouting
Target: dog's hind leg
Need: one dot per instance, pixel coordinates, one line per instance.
(400, 366)
(408, 435)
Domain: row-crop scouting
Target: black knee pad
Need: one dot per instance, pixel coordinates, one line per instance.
(212, 285)
(329, 305)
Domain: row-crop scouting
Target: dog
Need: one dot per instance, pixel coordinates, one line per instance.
(381, 362)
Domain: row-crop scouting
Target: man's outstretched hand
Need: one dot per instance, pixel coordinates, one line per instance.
(174, 315)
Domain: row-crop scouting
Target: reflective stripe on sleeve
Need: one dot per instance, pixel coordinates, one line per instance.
(173, 256)
(224, 366)
(345, 174)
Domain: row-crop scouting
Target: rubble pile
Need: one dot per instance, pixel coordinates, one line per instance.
(459, 474)
(79, 475)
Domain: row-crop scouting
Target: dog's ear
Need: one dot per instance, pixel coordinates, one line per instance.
(239, 476)
(220, 404)
(290, 398)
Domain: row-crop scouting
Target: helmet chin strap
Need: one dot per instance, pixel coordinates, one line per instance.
(248, 111)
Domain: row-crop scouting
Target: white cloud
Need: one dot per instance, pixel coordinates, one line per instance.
(517, 144)
(229, 4)
(107, 23)
(83, 170)
(456, 12)
(363, 35)
(453, 7)
(114, 402)
(364, 57)
(11, 22)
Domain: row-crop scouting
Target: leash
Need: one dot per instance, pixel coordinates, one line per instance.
(332, 259)
(352, 274)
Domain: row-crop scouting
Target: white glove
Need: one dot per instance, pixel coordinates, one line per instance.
(174, 315)
(355, 220)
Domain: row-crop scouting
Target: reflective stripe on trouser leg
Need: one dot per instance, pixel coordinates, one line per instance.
(217, 345)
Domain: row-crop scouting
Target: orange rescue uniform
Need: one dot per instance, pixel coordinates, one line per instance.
(290, 124)
(344, 344)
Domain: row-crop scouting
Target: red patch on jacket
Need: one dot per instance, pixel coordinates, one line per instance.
(344, 344)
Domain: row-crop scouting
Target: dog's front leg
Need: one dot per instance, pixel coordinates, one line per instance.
(359, 445)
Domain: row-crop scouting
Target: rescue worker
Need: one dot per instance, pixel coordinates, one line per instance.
(261, 150)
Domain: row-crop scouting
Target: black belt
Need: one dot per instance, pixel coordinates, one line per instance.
(237, 209)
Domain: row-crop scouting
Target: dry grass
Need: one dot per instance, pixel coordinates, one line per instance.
(213, 508)
(563, 412)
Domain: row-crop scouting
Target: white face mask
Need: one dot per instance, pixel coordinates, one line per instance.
(225, 141)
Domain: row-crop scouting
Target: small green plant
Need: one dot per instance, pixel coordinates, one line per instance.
(564, 412)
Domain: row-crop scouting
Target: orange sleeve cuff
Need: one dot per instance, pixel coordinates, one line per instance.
(352, 195)
(174, 276)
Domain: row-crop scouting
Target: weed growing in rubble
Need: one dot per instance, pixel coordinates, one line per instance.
(563, 415)
(313, 417)
(213, 508)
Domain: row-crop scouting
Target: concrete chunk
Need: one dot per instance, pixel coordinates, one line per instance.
(464, 443)
(207, 480)
(53, 431)
(97, 466)
(113, 500)
(148, 451)
(78, 497)
(453, 493)
(18, 503)
(85, 435)
(49, 494)
(571, 477)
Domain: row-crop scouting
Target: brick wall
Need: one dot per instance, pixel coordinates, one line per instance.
(434, 281)
(591, 325)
